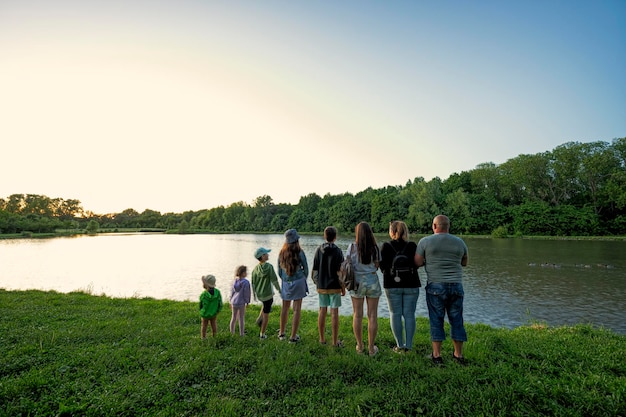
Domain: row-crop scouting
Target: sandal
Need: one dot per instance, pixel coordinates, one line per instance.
(359, 350)
(339, 344)
(375, 351)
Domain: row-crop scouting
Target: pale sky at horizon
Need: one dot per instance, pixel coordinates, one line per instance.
(191, 104)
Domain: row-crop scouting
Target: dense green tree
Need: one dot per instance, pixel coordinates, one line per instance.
(127, 218)
(9, 222)
(183, 227)
(457, 204)
(485, 180)
(456, 181)
(598, 162)
(348, 211)
(425, 202)
(523, 178)
(388, 204)
(235, 219)
(486, 213)
(92, 227)
(15, 203)
(566, 163)
(149, 218)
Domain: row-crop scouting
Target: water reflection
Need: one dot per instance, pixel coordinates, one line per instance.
(508, 282)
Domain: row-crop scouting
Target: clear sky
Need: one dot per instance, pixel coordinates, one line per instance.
(176, 105)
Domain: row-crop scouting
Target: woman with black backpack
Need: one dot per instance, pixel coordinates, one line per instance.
(401, 282)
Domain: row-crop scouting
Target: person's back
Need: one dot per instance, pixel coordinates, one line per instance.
(443, 253)
(390, 253)
(326, 263)
(263, 278)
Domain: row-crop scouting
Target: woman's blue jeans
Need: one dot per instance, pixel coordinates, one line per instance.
(402, 304)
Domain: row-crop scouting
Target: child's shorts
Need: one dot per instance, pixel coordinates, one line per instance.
(330, 300)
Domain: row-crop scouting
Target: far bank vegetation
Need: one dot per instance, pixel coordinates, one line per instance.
(577, 189)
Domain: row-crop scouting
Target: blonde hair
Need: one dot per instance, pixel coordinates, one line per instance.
(398, 230)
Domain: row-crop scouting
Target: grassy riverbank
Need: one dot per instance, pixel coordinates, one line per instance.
(79, 354)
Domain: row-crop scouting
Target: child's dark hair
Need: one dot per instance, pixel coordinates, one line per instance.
(330, 233)
(240, 270)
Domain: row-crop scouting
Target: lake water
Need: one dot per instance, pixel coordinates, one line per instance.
(508, 282)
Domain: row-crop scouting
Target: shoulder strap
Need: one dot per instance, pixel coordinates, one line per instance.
(401, 251)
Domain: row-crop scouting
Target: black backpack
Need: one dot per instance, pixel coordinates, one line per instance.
(402, 266)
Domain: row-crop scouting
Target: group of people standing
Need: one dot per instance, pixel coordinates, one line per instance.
(442, 255)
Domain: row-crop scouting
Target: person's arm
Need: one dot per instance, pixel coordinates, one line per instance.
(316, 265)
(274, 279)
(253, 286)
(246, 293)
(384, 257)
(377, 260)
(464, 260)
(419, 260)
(305, 264)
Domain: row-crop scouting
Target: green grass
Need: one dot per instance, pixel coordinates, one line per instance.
(78, 354)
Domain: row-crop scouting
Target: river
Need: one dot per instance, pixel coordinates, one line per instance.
(508, 282)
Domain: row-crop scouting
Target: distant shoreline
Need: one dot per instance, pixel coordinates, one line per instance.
(70, 233)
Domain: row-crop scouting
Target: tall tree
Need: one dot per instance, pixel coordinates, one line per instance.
(425, 202)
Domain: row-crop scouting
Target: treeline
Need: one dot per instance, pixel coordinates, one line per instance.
(577, 189)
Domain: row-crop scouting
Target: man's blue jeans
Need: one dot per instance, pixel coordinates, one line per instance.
(442, 299)
(402, 304)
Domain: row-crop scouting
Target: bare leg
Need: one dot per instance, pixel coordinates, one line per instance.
(321, 324)
(458, 348)
(213, 322)
(233, 319)
(295, 323)
(242, 317)
(436, 349)
(334, 317)
(203, 327)
(284, 316)
(372, 323)
(266, 319)
(357, 322)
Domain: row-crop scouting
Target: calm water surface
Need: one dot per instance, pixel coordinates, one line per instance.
(508, 282)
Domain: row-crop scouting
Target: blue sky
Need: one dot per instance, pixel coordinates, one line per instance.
(185, 105)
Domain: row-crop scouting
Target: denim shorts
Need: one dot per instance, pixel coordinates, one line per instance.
(369, 286)
(330, 300)
(442, 299)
